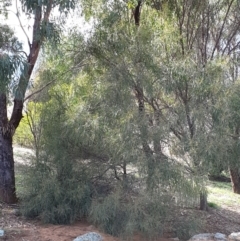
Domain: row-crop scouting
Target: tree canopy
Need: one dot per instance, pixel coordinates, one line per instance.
(130, 119)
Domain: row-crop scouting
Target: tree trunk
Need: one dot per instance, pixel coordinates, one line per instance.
(7, 178)
(8, 127)
(234, 169)
(203, 202)
(235, 179)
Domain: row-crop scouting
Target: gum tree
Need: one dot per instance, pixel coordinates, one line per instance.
(43, 29)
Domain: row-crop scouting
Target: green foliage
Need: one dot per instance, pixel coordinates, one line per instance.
(50, 31)
(212, 205)
(8, 66)
(56, 199)
(7, 39)
(122, 215)
(60, 190)
(30, 129)
(10, 58)
(23, 135)
(186, 227)
(139, 125)
(90, 137)
(63, 5)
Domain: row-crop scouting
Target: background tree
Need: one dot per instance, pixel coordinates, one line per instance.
(10, 61)
(207, 33)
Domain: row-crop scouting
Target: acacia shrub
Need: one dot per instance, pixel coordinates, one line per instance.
(122, 214)
(92, 163)
(54, 200)
(57, 189)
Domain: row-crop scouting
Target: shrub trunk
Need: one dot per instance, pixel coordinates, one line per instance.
(203, 202)
(235, 179)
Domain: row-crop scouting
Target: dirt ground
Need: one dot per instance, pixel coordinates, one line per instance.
(20, 229)
(17, 228)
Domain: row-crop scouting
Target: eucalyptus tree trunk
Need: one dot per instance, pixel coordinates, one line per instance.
(7, 129)
(7, 178)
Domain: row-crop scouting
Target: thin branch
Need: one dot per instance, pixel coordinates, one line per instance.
(222, 28)
(234, 34)
(21, 51)
(116, 175)
(8, 47)
(207, 33)
(38, 91)
(237, 45)
(17, 14)
(51, 82)
(16, 51)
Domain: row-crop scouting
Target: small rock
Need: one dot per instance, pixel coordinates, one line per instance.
(220, 236)
(92, 236)
(234, 236)
(203, 237)
(210, 237)
(175, 239)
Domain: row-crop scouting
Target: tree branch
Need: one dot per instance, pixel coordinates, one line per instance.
(222, 28)
(17, 14)
(38, 91)
(51, 82)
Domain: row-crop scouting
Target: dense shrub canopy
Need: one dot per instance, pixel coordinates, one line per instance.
(130, 124)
